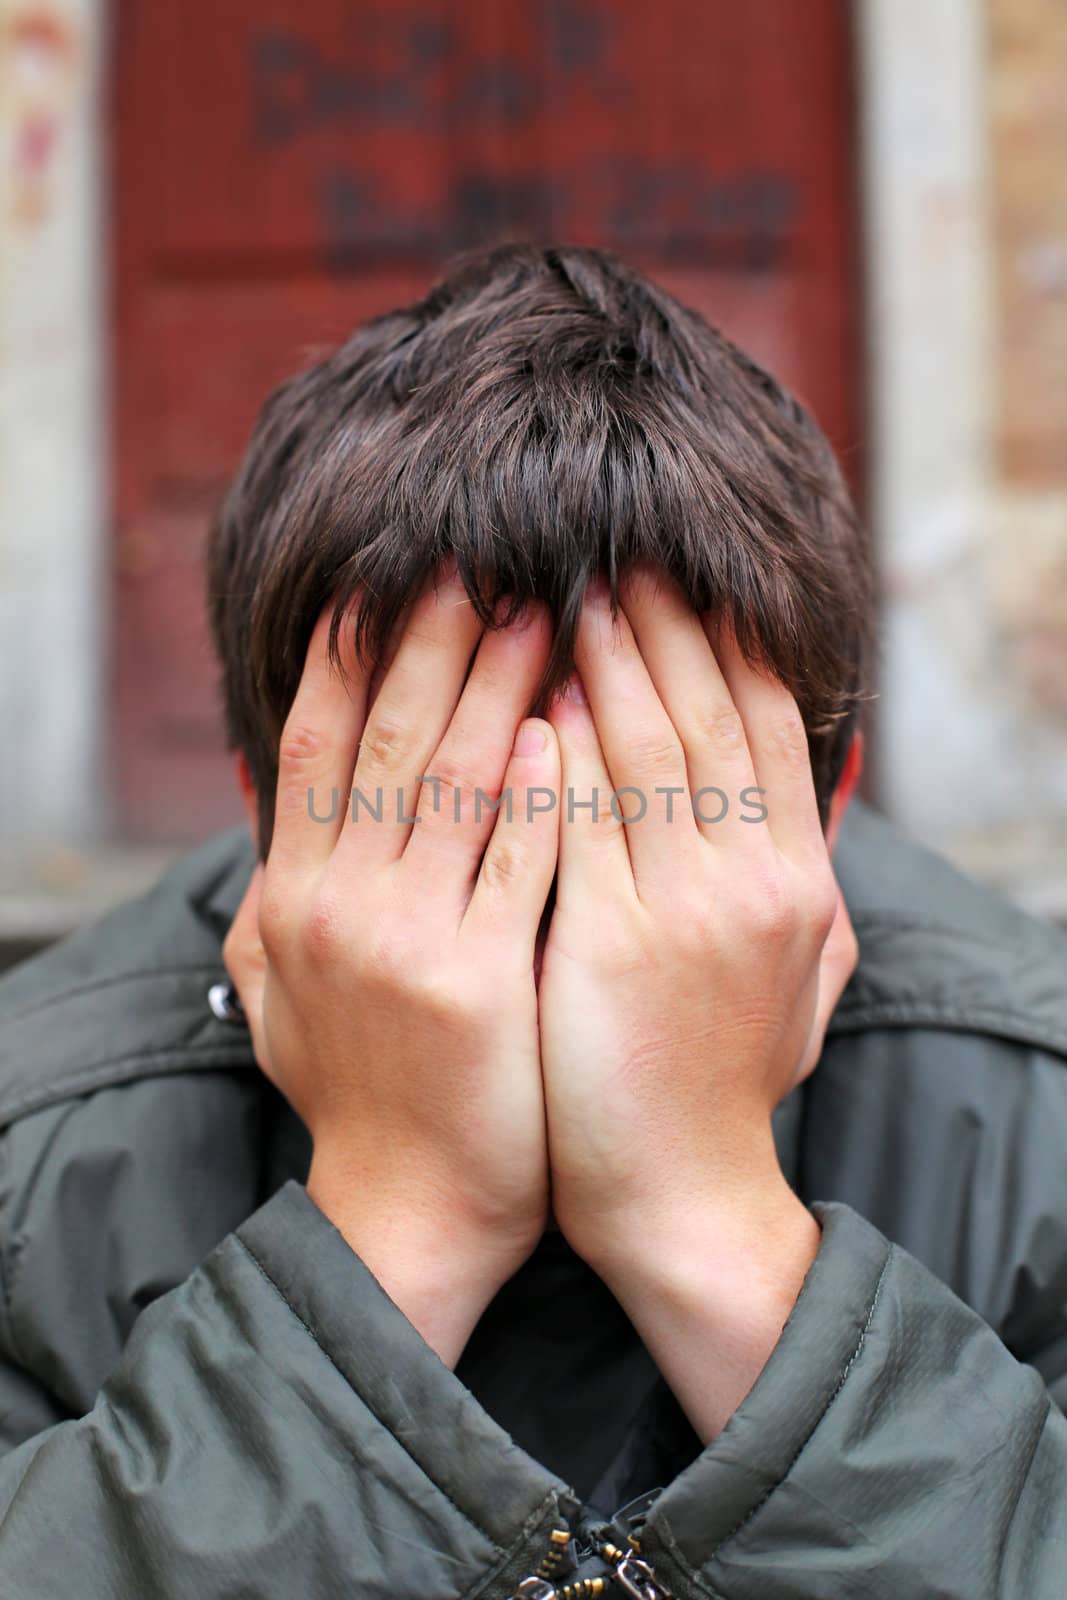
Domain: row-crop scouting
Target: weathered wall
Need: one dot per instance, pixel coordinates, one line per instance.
(52, 620)
(965, 166)
(1027, 564)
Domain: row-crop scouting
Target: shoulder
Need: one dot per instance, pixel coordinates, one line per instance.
(135, 1130)
(939, 1107)
(126, 999)
(939, 951)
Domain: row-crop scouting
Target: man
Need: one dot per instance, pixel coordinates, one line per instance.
(535, 1236)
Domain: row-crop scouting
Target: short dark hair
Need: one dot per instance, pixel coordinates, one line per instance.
(541, 415)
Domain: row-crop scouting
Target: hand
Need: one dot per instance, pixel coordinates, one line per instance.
(837, 963)
(398, 1011)
(680, 994)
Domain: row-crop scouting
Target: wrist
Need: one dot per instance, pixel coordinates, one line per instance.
(736, 1245)
(726, 1188)
(440, 1274)
(721, 1279)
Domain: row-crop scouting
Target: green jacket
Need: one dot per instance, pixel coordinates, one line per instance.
(204, 1393)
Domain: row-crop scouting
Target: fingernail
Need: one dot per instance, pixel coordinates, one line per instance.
(530, 738)
(597, 590)
(575, 690)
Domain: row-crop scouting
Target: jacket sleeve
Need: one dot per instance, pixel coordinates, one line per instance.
(274, 1427)
(892, 1446)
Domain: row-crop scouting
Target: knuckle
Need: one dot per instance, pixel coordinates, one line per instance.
(438, 994)
(396, 966)
(275, 918)
(387, 744)
(654, 752)
(301, 746)
(822, 909)
(387, 957)
(772, 909)
(322, 927)
(721, 728)
(457, 779)
(503, 865)
(607, 827)
(790, 739)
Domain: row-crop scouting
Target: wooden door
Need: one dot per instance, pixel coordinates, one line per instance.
(282, 171)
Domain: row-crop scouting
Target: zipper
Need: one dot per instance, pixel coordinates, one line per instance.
(582, 1565)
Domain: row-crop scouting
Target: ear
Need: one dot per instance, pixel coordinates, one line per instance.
(249, 796)
(846, 784)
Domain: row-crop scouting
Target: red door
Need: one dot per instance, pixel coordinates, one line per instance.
(284, 174)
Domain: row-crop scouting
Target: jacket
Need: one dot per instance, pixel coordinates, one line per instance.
(204, 1392)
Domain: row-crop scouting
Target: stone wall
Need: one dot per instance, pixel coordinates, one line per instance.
(964, 112)
(53, 622)
(1028, 538)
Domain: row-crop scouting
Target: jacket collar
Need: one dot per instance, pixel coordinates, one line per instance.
(219, 904)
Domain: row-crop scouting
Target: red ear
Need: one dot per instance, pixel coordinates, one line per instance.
(248, 794)
(846, 784)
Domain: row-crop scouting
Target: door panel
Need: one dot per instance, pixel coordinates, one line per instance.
(284, 176)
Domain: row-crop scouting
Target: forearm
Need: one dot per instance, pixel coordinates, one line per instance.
(710, 1293)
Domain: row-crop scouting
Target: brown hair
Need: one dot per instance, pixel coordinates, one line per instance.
(542, 414)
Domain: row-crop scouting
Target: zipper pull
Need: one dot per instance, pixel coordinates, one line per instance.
(565, 1572)
(536, 1589)
(626, 1572)
(636, 1578)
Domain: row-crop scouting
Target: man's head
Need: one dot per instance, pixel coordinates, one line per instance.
(541, 415)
